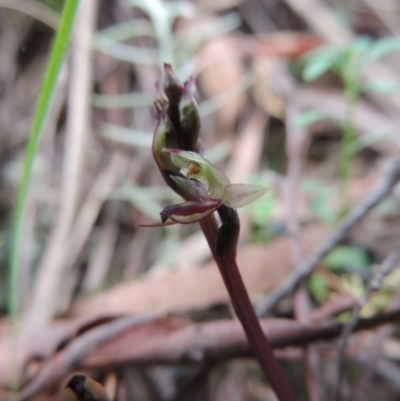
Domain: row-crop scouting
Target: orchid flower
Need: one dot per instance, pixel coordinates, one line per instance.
(175, 148)
(205, 189)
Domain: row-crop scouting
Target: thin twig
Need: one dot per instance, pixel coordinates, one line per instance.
(199, 343)
(224, 339)
(388, 265)
(388, 180)
(83, 346)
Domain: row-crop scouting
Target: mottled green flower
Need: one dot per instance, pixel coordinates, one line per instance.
(176, 151)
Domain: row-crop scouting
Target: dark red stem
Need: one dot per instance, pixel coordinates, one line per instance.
(223, 242)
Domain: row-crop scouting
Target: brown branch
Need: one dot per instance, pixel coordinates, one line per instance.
(389, 179)
(220, 340)
(77, 350)
(199, 343)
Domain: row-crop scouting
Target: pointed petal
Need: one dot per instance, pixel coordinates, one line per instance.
(173, 86)
(177, 219)
(189, 117)
(159, 224)
(219, 176)
(194, 218)
(188, 209)
(239, 195)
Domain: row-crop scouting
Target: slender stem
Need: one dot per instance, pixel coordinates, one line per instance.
(223, 243)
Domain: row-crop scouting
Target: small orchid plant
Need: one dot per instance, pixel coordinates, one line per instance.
(176, 150)
(206, 189)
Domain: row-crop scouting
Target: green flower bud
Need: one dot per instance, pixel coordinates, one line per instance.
(164, 135)
(189, 119)
(173, 86)
(204, 187)
(173, 89)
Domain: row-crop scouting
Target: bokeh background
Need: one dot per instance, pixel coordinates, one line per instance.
(302, 96)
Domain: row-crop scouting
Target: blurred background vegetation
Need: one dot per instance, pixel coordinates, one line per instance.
(300, 95)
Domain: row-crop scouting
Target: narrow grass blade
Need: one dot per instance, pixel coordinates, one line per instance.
(57, 56)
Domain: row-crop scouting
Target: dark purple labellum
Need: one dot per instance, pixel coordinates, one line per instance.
(189, 208)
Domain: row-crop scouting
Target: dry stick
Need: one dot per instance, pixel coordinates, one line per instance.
(206, 342)
(83, 346)
(221, 340)
(223, 242)
(390, 177)
(388, 265)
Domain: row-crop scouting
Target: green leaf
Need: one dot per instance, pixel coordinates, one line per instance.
(358, 46)
(387, 207)
(319, 61)
(318, 287)
(309, 117)
(366, 140)
(344, 256)
(317, 68)
(383, 86)
(381, 48)
(321, 196)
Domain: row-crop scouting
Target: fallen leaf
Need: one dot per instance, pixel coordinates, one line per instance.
(263, 268)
